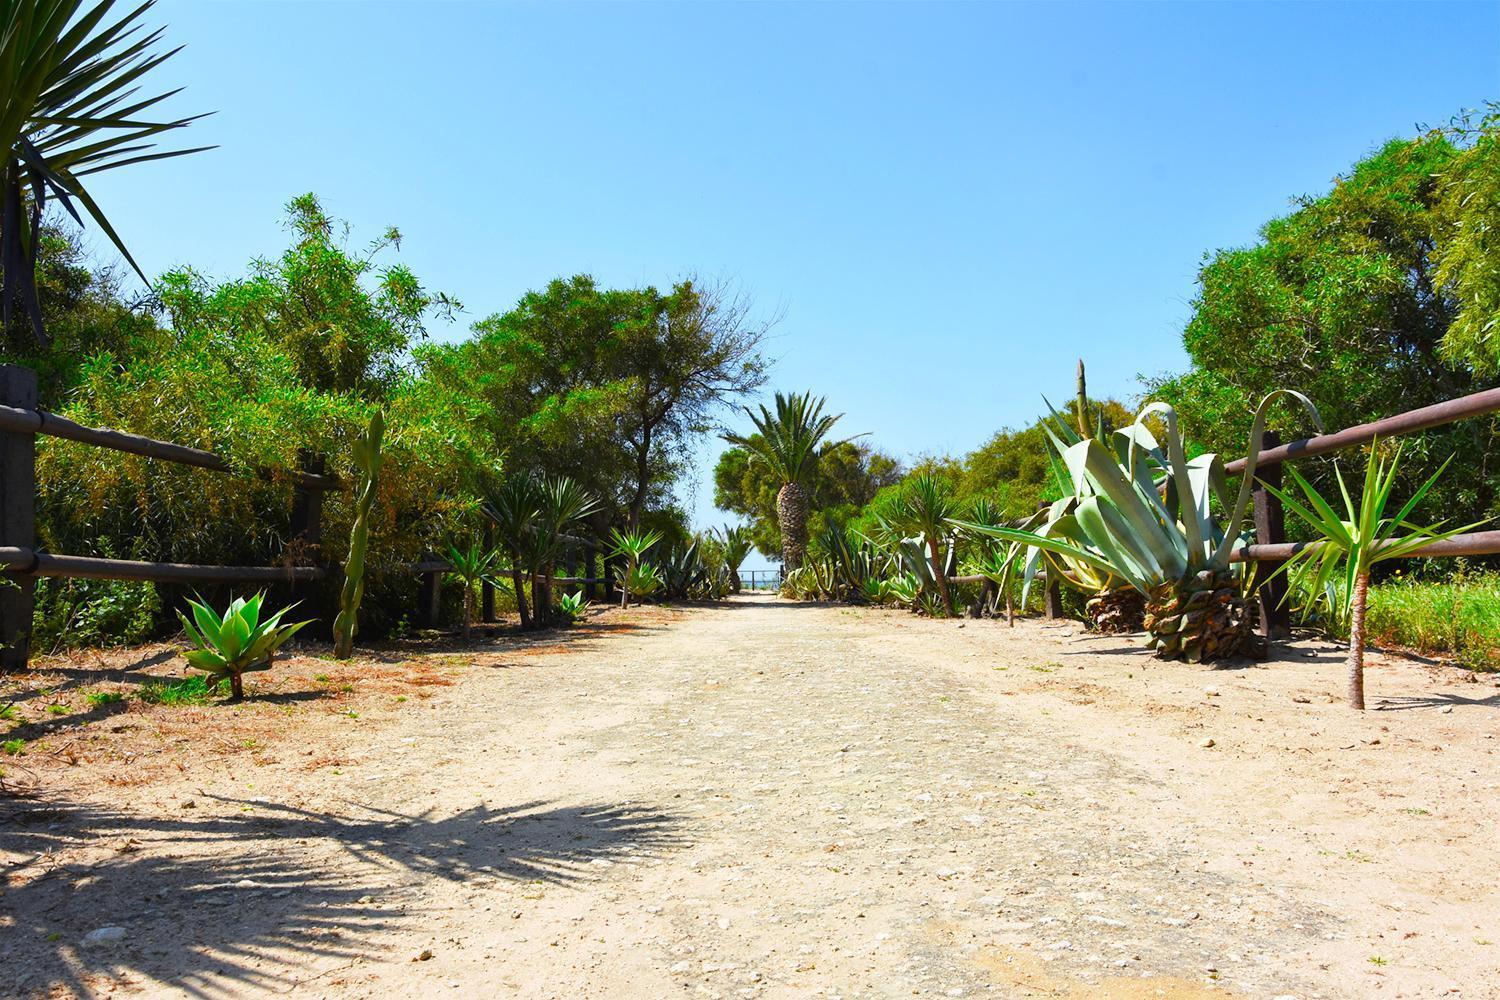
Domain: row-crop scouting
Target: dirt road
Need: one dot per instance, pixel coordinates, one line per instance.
(768, 799)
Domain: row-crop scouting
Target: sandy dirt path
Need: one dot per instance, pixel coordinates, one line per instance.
(766, 799)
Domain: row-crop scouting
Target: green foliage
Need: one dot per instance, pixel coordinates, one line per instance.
(471, 565)
(1460, 616)
(239, 640)
(81, 613)
(195, 690)
(14, 748)
(789, 441)
(100, 699)
(641, 580)
(367, 459)
(1357, 298)
(69, 108)
(572, 606)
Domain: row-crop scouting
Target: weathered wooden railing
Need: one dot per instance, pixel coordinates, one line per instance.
(20, 423)
(1271, 548)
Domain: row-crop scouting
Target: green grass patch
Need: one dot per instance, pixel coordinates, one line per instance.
(8, 712)
(98, 699)
(13, 747)
(1460, 618)
(57, 709)
(195, 690)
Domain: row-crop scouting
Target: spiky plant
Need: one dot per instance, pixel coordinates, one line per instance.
(367, 459)
(471, 565)
(633, 545)
(231, 644)
(926, 508)
(788, 441)
(514, 505)
(564, 502)
(734, 545)
(1353, 542)
(69, 109)
(1145, 517)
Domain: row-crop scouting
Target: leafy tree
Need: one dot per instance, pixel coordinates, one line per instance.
(788, 443)
(607, 387)
(1344, 299)
(1469, 243)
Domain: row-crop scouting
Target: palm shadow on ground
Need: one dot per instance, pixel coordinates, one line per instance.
(235, 895)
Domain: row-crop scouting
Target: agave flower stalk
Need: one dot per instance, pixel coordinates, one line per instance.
(367, 458)
(231, 644)
(1358, 539)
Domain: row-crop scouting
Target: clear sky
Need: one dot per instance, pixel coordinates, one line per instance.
(949, 203)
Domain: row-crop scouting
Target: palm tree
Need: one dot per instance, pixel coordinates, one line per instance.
(788, 442)
(734, 542)
(632, 545)
(564, 502)
(471, 566)
(925, 508)
(515, 506)
(1357, 538)
(68, 110)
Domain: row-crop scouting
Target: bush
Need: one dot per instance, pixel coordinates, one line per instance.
(74, 613)
(1460, 617)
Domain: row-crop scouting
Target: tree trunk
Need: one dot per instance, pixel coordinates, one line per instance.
(468, 612)
(539, 611)
(1356, 661)
(236, 687)
(519, 585)
(734, 580)
(934, 550)
(791, 517)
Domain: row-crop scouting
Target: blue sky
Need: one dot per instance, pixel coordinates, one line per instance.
(947, 203)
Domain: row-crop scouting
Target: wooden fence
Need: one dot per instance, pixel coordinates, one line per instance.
(20, 423)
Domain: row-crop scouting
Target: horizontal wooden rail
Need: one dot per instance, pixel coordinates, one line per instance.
(1475, 543)
(1475, 405)
(23, 421)
(25, 562)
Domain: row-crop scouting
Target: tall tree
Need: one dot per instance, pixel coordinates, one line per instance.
(787, 441)
(1342, 300)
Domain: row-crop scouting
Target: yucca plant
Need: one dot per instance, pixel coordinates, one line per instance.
(514, 505)
(1145, 516)
(367, 459)
(1354, 541)
(734, 545)
(633, 545)
(240, 640)
(563, 503)
(471, 566)
(69, 109)
(788, 442)
(926, 508)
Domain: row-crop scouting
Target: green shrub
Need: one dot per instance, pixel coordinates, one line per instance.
(1460, 617)
(74, 613)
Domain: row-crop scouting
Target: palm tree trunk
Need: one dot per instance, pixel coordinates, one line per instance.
(520, 588)
(1356, 661)
(935, 554)
(791, 517)
(236, 687)
(468, 611)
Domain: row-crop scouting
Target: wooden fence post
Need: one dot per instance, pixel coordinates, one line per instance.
(1270, 529)
(17, 517)
(430, 599)
(487, 589)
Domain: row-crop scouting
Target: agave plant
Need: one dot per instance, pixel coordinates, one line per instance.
(231, 644)
(572, 606)
(471, 566)
(640, 580)
(927, 506)
(69, 109)
(1356, 540)
(1145, 516)
(788, 442)
(683, 572)
(633, 545)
